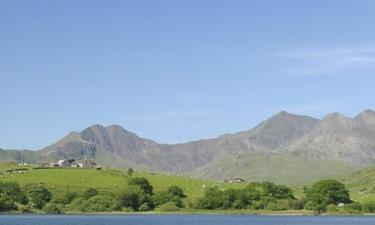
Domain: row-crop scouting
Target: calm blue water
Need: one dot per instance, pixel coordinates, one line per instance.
(184, 220)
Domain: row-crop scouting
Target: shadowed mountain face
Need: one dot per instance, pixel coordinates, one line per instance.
(281, 147)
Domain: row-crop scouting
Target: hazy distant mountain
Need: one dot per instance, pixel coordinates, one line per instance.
(286, 148)
(337, 137)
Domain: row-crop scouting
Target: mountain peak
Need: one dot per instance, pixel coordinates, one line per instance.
(335, 122)
(367, 112)
(367, 116)
(95, 127)
(334, 115)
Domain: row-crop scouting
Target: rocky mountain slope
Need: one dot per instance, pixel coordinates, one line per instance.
(284, 147)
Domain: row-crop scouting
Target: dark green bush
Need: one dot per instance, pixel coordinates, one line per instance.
(130, 199)
(368, 207)
(38, 194)
(7, 204)
(65, 199)
(103, 203)
(324, 193)
(176, 191)
(80, 204)
(169, 207)
(52, 208)
(160, 198)
(12, 191)
(89, 193)
(354, 207)
(142, 183)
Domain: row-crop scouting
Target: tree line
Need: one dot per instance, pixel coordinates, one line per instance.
(139, 195)
(326, 196)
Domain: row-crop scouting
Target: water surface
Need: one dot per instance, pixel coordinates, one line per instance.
(186, 220)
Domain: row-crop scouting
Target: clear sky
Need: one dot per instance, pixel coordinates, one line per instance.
(176, 71)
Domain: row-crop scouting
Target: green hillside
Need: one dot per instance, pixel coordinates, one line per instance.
(362, 184)
(60, 180)
(282, 168)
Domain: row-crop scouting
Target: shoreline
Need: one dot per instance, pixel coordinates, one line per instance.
(213, 212)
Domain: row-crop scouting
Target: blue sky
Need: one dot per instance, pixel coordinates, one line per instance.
(175, 71)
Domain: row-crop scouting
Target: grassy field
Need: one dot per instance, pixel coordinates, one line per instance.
(60, 180)
(361, 184)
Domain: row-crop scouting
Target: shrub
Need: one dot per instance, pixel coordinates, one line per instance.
(80, 204)
(130, 198)
(354, 207)
(7, 204)
(160, 198)
(326, 192)
(130, 172)
(368, 207)
(103, 203)
(144, 207)
(276, 191)
(176, 191)
(89, 193)
(52, 208)
(38, 194)
(177, 201)
(65, 199)
(212, 199)
(142, 183)
(332, 208)
(12, 191)
(296, 204)
(25, 208)
(169, 207)
(277, 206)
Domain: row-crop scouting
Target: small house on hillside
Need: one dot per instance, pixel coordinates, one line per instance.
(65, 162)
(86, 163)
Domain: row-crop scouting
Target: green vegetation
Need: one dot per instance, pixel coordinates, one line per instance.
(255, 196)
(324, 193)
(283, 168)
(27, 190)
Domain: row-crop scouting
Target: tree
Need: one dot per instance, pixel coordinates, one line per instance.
(130, 172)
(12, 191)
(176, 191)
(130, 199)
(326, 192)
(142, 183)
(7, 205)
(103, 203)
(160, 198)
(89, 193)
(38, 194)
(277, 191)
(212, 199)
(52, 208)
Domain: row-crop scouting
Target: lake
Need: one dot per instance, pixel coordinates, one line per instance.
(186, 220)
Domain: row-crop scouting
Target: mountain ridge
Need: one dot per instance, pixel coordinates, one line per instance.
(302, 141)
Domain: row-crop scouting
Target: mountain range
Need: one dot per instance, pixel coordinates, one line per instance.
(285, 148)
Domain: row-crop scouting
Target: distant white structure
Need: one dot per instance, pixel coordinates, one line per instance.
(235, 180)
(86, 163)
(63, 163)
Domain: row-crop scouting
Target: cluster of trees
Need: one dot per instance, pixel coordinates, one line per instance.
(13, 197)
(324, 196)
(328, 196)
(257, 196)
(332, 196)
(137, 196)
